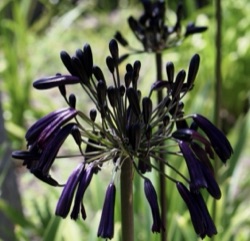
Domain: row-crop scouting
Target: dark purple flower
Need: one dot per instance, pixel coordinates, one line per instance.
(51, 149)
(39, 132)
(65, 200)
(193, 164)
(106, 226)
(151, 196)
(201, 219)
(218, 140)
(84, 182)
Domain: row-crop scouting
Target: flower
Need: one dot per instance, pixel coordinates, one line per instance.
(106, 226)
(151, 196)
(125, 124)
(150, 29)
(218, 140)
(75, 187)
(201, 219)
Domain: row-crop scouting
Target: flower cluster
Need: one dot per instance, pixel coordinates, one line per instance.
(126, 126)
(151, 31)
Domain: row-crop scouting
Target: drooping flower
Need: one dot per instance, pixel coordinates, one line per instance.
(151, 196)
(218, 140)
(106, 226)
(201, 219)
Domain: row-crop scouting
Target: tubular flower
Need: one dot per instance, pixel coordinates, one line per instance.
(106, 227)
(124, 123)
(151, 196)
(201, 219)
(150, 29)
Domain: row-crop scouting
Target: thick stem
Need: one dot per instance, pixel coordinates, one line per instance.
(162, 179)
(218, 86)
(127, 211)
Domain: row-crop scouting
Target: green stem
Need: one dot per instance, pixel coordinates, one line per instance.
(127, 211)
(218, 87)
(162, 179)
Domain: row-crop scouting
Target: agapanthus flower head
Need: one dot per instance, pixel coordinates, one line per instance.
(153, 32)
(124, 124)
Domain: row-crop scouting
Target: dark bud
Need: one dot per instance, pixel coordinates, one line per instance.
(72, 101)
(98, 73)
(80, 69)
(137, 67)
(166, 120)
(133, 24)
(55, 81)
(111, 64)
(178, 83)
(193, 69)
(134, 101)
(93, 114)
(192, 29)
(62, 90)
(170, 71)
(129, 68)
(159, 85)
(67, 61)
(75, 132)
(101, 92)
(88, 59)
(147, 107)
(113, 95)
(79, 55)
(119, 37)
(122, 90)
(113, 48)
(128, 79)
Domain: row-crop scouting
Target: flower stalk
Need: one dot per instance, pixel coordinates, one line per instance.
(127, 209)
(162, 179)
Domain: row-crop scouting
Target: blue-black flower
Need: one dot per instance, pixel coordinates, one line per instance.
(201, 219)
(151, 196)
(65, 200)
(218, 140)
(106, 226)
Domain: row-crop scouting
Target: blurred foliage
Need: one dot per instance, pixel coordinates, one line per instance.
(32, 33)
